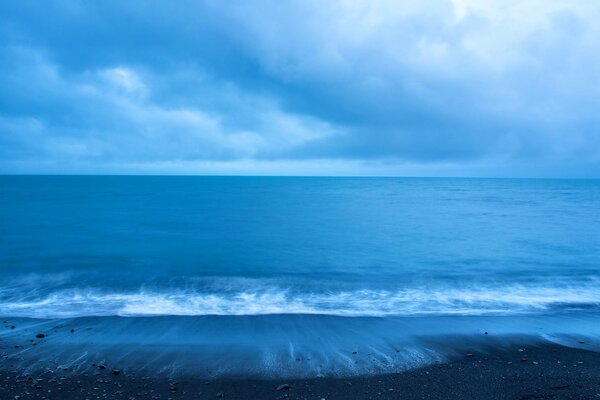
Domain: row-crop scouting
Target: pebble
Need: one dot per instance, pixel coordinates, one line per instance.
(284, 386)
(561, 386)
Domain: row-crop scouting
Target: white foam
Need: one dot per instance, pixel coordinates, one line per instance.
(514, 299)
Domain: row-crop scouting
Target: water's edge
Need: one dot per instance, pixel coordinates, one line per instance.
(276, 345)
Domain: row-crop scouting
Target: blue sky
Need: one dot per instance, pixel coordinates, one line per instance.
(434, 88)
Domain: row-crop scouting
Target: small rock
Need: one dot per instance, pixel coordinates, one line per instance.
(101, 366)
(40, 336)
(285, 386)
(116, 372)
(469, 354)
(560, 386)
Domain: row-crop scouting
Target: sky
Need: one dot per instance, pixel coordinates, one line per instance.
(499, 88)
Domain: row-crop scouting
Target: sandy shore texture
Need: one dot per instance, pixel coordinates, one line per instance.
(540, 371)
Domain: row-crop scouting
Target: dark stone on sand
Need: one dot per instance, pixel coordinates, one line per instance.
(560, 386)
(101, 366)
(40, 336)
(285, 386)
(12, 327)
(72, 330)
(116, 372)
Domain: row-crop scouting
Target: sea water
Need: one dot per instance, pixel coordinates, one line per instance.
(294, 275)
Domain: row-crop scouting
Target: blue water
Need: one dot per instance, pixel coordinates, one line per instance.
(257, 254)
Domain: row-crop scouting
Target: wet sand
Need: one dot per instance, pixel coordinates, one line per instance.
(540, 371)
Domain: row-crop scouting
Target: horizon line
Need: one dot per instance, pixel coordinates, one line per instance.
(290, 176)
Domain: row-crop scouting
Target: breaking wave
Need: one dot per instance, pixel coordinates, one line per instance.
(507, 300)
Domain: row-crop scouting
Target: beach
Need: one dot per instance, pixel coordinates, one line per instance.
(113, 287)
(532, 371)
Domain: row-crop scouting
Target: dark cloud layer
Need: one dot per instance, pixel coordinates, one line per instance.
(429, 87)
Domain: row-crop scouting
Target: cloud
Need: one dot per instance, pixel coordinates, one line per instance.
(461, 87)
(110, 115)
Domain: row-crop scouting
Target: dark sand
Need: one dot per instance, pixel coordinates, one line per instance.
(542, 371)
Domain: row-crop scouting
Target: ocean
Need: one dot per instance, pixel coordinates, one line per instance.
(294, 275)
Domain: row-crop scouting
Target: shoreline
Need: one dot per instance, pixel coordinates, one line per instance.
(527, 371)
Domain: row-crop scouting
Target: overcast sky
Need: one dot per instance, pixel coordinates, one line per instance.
(438, 88)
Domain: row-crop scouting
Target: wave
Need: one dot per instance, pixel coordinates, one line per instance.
(507, 300)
